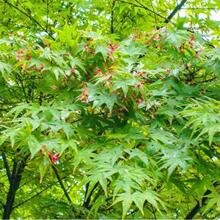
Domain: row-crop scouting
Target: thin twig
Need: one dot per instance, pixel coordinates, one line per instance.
(204, 81)
(30, 17)
(20, 80)
(112, 17)
(35, 195)
(150, 10)
(143, 7)
(61, 184)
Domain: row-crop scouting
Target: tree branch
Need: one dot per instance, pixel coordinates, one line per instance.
(21, 203)
(140, 5)
(199, 204)
(6, 165)
(19, 78)
(208, 80)
(166, 19)
(87, 201)
(61, 184)
(16, 175)
(30, 17)
(86, 191)
(204, 81)
(112, 17)
(175, 10)
(148, 9)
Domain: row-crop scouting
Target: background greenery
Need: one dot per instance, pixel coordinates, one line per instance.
(109, 109)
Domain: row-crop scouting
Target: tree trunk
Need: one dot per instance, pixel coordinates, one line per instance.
(18, 168)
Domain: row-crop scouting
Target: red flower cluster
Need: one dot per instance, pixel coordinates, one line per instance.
(113, 47)
(72, 70)
(98, 71)
(139, 101)
(39, 68)
(191, 40)
(84, 95)
(139, 85)
(19, 54)
(53, 157)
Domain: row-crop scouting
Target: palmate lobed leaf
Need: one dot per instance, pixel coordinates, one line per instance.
(139, 199)
(204, 117)
(173, 158)
(214, 200)
(5, 70)
(33, 145)
(108, 139)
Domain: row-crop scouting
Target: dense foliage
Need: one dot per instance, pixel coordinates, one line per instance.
(109, 109)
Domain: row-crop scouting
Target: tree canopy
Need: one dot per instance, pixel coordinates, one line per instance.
(109, 109)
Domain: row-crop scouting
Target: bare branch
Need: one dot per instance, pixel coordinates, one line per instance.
(175, 10)
(16, 175)
(87, 201)
(6, 165)
(61, 184)
(112, 17)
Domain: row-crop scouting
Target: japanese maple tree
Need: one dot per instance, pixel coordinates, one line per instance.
(109, 109)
